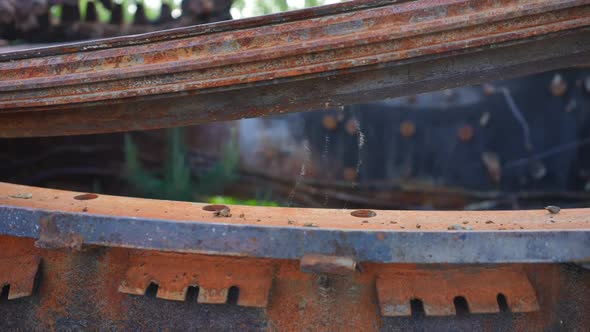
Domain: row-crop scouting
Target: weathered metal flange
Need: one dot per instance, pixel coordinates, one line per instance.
(288, 62)
(291, 233)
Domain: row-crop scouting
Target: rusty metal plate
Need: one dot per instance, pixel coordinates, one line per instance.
(214, 276)
(69, 219)
(439, 287)
(78, 290)
(19, 274)
(315, 59)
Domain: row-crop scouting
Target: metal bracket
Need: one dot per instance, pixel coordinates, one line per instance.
(313, 263)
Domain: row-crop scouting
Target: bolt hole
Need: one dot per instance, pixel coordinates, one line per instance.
(152, 290)
(192, 294)
(461, 306)
(417, 307)
(502, 303)
(4, 293)
(214, 207)
(363, 213)
(85, 197)
(232, 295)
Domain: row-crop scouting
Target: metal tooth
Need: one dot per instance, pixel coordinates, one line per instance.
(19, 273)
(137, 288)
(438, 287)
(436, 309)
(484, 304)
(212, 295)
(214, 276)
(172, 291)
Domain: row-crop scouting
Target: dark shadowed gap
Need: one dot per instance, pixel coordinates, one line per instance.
(232, 295)
(152, 290)
(461, 306)
(192, 294)
(417, 308)
(4, 293)
(502, 303)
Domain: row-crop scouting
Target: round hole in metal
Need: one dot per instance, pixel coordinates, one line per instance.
(363, 213)
(85, 197)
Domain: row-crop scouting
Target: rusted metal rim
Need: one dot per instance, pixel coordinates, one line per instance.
(304, 62)
(185, 32)
(68, 219)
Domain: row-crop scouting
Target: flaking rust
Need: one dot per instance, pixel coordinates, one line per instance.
(50, 237)
(19, 274)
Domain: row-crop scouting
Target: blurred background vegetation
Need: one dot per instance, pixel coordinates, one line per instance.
(452, 149)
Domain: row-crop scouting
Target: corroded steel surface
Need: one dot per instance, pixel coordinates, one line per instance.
(78, 290)
(437, 288)
(18, 273)
(175, 273)
(287, 62)
(62, 219)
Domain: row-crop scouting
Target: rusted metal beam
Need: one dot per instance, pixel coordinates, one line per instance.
(297, 61)
(65, 219)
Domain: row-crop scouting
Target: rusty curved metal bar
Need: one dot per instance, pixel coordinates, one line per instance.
(299, 61)
(59, 219)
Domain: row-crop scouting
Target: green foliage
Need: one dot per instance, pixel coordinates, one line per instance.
(177, 182)
(145, 183)
(235, 201)
(223, 172)
(177, 172)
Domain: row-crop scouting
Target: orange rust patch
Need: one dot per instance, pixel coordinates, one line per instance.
(437, 288)
(299, 301)
(302, 302)
(279, 216)
(19, 273)
(174, 273)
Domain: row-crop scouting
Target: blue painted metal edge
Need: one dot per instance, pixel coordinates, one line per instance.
(510, 246)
